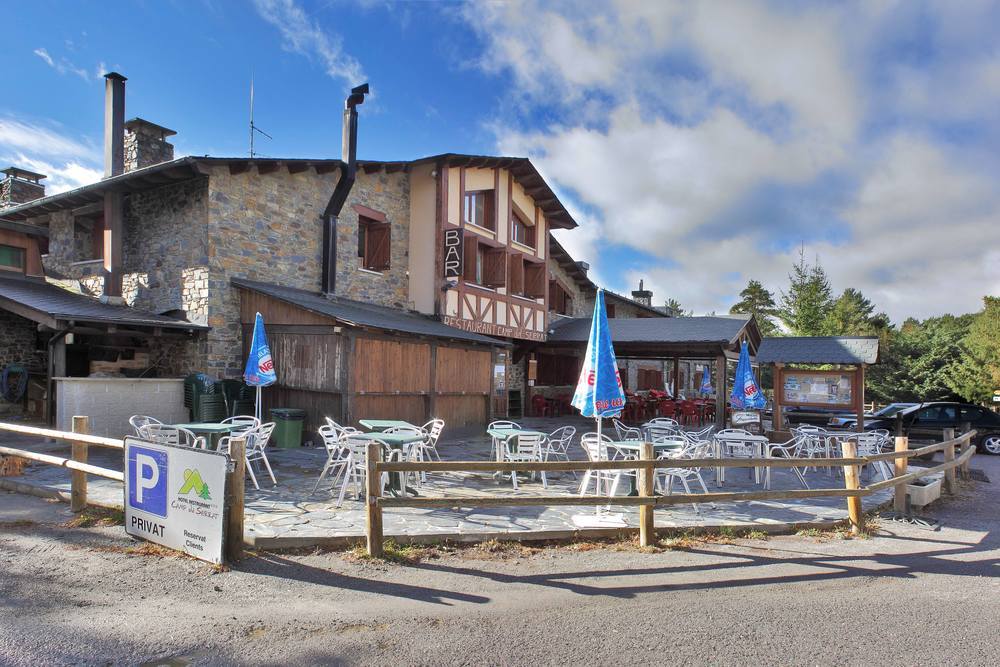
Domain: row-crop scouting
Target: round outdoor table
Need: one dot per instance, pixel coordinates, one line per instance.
(385, 424)
(635, 446)
(397, 481)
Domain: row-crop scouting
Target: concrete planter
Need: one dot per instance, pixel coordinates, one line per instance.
(925, 491)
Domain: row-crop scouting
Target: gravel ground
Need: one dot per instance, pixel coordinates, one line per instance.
(90, 595)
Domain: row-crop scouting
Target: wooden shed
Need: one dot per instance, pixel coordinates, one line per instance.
(349, 360)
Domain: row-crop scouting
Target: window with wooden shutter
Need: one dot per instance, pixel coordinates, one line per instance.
(609, 308)
(374, 244)
(534, 280)
(495, 267)
(515, 274)
(470, 259)
(477, 209)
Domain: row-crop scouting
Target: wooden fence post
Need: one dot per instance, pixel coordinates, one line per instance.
(950, 481)
(235, 486)
(852, 483)
(647, 534)
(373, 491)
(78, 479)
(899, 493)
(965, 428)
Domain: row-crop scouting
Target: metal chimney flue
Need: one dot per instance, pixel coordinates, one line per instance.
(114, 124)
(349, 152)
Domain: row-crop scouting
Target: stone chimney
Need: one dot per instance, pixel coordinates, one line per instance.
(146, 144)
(20, 186)
(583, 266)
(643, 296)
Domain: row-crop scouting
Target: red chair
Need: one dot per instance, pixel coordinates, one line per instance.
(689, 413)
(666, 408)
(539, 407)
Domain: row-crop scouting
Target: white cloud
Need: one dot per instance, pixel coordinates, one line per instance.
(68, 163)
(670, 116)
(63, 65)
(303, 35)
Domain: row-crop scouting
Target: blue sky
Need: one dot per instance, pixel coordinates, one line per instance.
(699, 144)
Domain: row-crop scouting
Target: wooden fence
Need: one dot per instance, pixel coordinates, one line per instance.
(646, 467)
(957, 453)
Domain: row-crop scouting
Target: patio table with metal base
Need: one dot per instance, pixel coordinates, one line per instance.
(397, 481)
(635, 445)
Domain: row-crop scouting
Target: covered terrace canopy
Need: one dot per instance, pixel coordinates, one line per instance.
(714, 338)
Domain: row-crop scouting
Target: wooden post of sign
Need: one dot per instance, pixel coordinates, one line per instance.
(720, 391)
(859, 397)
(900, 462)
(373, 491)
(235, 488)
(950, 480)
(852, 483)
(78, 479)
(778, 415)
(647, 534)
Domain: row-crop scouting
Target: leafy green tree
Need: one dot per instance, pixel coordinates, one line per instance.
(805, 305)
(674, 307)
(977, 375)
(756, 300)
(854, 315)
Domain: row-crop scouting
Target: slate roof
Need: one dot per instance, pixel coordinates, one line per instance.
(819, 350)
(61, 304)
(365, 314)
(672, 330)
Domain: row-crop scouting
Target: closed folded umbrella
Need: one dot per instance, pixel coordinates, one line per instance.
(746, 394)
(259, 370)
(599, 390)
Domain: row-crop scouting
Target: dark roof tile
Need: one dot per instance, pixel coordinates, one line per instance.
(819, 350)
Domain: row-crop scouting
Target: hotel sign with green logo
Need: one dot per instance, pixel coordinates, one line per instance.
(175, 496)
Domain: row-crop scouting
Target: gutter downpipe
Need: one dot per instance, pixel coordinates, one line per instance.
(50, 398)
(349, 153)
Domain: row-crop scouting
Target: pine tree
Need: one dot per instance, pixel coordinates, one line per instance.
(854, 315)
(805, 305)
(674, 307)
(757, 301)
(977, 375)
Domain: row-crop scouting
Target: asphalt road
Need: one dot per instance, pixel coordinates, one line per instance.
(907, 596)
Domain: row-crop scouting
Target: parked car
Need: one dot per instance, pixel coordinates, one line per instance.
(851, 422)
(927, 421)
(816, 416)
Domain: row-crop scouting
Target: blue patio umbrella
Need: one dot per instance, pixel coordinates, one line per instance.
(259, 371)
(706, 381)
(746, 393)
(599, 390)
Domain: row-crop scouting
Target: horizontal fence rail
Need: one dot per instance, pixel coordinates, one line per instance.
(646, 466)
(80, 440)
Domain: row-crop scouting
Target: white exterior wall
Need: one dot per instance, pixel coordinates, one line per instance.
(109, 402)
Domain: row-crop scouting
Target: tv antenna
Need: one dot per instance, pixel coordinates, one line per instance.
(253, 128)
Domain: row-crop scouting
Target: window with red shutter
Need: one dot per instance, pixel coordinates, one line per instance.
(470, 259)
(374, 244)
(495, 267)
(534, 280)
(515, 275)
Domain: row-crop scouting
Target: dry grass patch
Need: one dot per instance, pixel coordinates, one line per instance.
(96, 517)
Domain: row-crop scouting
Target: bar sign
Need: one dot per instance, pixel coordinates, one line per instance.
(453, 253)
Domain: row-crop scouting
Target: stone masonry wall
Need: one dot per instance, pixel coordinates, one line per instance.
(578, 305)
(17, 342)
(268, 227)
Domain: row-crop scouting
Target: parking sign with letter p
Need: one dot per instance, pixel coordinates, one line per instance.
(147, 476)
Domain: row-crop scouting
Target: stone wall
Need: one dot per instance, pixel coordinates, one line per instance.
(268, 227)
(579, 304)
(15, 191)
(17, 342)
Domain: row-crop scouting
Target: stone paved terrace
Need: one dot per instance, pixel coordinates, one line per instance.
(289, 515)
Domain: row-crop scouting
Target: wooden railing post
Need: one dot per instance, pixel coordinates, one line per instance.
(950, 480)
(965, 428)
(900, 463)
(646, 529)
(235, 486)
(852, 483)
(78, 479)
(373, 491)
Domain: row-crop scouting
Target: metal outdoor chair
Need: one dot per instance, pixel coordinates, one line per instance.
(140, 422)
(697, 450)
(626, 432)
(788, 450)
(525, 448)
(557, 444)
(165, 434)
(256, 442)
(338, 458)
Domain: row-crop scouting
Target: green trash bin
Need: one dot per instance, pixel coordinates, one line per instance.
(287, 427)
